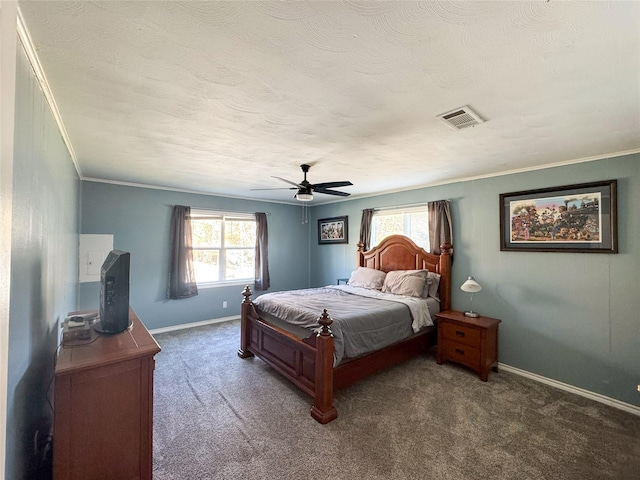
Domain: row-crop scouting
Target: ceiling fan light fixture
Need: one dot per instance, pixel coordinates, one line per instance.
(304, 196)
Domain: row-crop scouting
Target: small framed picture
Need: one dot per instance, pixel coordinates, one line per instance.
(333, 230)
(573, 218)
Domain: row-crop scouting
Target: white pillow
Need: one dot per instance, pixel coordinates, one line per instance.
(367, 278)
(405, 282)
(433, 279)
(427, 285)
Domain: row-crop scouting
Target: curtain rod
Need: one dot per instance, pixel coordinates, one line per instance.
(392, 207)
(223, 210)
(420, 204)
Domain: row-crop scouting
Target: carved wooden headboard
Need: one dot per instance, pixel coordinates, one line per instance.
(398, 252)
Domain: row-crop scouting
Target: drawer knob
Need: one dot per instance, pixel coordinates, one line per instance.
(459, 333)
(459, 352)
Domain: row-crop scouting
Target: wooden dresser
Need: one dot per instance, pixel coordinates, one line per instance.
(468, 341)
(103, 410)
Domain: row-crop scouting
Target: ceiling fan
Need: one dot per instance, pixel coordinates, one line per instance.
(305, 189)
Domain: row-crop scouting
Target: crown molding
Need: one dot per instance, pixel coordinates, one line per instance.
(185, 190)
(30, 51)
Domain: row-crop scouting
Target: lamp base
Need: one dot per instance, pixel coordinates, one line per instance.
(471, 314)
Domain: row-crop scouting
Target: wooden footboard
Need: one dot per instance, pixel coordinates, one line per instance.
(308, 363)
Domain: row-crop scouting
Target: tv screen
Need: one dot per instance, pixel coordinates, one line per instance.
(114, 293)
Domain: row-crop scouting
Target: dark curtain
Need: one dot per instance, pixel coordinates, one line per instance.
(182, 279)
(439, 225)
(262, 281)
(365, 228)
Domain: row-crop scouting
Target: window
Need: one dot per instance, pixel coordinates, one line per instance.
(412, 222)
(223, 246)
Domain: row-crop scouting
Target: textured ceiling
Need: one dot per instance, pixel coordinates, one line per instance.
(217, 97)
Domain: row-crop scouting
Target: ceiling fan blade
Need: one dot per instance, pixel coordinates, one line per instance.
(305, 188)
(283, 188)
(332, 184)
(287, 181)
(331, 192)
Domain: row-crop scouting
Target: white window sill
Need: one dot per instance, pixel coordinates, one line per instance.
(233, 283)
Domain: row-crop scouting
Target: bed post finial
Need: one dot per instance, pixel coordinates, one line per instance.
(323, 410)
(246, 293)
(445, 248)
(360, 254)
(325, 320)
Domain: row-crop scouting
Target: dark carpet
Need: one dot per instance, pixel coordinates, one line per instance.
(217, 416)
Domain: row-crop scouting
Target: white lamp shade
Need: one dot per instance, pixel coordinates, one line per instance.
(470, 286)
(304, 197)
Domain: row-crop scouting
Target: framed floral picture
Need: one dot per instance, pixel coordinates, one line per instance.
(573, 218)
(333, 230)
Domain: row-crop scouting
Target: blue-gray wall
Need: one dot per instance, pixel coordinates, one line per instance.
(571, 317)
(139, 219)
(43, 267)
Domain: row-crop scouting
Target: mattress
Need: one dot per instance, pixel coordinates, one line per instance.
(364, 320)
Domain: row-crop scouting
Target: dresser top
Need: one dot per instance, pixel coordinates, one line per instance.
(103, 349)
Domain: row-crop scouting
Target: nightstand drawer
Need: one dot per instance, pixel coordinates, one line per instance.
(461, 334)
(460, 353)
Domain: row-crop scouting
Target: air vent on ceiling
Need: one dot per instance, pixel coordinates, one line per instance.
(460, 118)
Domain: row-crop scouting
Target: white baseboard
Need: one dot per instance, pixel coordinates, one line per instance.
(570, 388)
(182, 326)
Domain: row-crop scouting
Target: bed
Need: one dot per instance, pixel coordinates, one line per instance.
(309, 360)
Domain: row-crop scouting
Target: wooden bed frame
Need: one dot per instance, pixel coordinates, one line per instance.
(308, 362)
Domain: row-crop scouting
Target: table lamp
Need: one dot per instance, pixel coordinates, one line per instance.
(471, 286)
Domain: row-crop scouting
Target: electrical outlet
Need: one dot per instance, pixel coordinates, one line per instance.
(224, 304)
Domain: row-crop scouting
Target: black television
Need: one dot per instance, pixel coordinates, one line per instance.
(114, 293)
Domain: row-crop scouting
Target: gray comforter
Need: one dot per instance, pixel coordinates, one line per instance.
(363, 320)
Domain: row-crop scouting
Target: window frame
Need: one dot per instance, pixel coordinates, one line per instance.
(223, 216)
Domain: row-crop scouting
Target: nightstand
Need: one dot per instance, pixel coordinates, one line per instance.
(472, 342)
